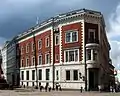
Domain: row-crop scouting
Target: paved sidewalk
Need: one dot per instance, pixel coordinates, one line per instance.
(35, 92)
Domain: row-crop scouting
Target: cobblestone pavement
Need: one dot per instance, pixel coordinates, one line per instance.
(31, 92)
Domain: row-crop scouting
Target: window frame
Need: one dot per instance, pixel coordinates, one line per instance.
(27, 63)
(66, 75)
(32, 60)
(27, 78)
(68, 57)
(57, 35)
(27, 48)
(48, 58)
(71, 37)
(39, 60)
(47, 44)
(33, 77)
(47, 78)
(91, 31)
(22, 75)
(40, 40)
(74, 75)
(40, 77)
(22, 63)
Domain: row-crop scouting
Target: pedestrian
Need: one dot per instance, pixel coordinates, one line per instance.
(57, 87)
(49, 87)
(46, 88)
(81, 89)
(60, 88)
(41, 87)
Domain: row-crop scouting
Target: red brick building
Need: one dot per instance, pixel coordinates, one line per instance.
(57, 50)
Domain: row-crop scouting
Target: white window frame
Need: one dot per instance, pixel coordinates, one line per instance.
(33, 45)
(91, 30)
(57, 35)
(22, 62)
(27, 47)
(77, 74)
(22, 49)
(57, 75)
(38, 60)
(46, 58)
(32, 60)
(68, 55)
(56, 59)
(39, 47)
(27, 63)
(71, 31)
(47, 45)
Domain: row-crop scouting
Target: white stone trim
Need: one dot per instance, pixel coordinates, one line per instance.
(83, 41)
(60, 44)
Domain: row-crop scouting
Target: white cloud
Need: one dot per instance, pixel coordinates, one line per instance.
(114, 35)
(114, 22)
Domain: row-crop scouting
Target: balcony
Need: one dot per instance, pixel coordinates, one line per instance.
(92, 43)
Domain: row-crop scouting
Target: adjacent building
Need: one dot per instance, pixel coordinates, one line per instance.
(10, 65)
(70, 49)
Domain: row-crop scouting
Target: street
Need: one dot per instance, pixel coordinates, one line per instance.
(31, 92)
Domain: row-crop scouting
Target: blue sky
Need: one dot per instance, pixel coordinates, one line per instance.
(17, 16)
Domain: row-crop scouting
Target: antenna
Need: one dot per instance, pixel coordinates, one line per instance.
(37, 20)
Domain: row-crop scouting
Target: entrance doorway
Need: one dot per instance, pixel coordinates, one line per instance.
(93, 79)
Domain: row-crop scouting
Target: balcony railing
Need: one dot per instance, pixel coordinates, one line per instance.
(91, 40)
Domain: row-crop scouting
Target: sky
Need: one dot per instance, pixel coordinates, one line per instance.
(17, 16)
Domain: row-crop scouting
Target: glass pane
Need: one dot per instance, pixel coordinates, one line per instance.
(71, 55)
(68, 75)
(68, 37)
(66, 54)
(76, 55)
(75, 74)
(74, 36)
(88, 54)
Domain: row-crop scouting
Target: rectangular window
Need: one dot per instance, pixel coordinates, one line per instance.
(22, 50)
(57, 57)
(47, 41)
(71, 55)
(22, 63)
(47, 58)
(94, 54)
(88, 54)
(27, 62)
(57, 75)
(27, 73)
(40, 59)
(47, 74)
(71, 36)
(67, 74)
(39, 44)
(75, 74)
(33, 74)
(33, 46)
(91, 35)
(40, 74)
(33, 61)
(22, 75)
(57, 39)
(27, 48)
